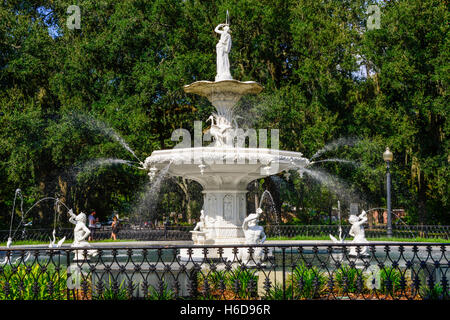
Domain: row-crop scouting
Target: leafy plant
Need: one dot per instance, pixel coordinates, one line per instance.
(113, 291)
(276, 292)
(308, 282)
(349, 279)
(243, 282)
(437, 292)
(214, 279)
(35, 282)
(390, 280)
(162, 293)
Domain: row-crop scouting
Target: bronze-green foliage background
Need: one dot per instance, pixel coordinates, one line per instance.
(325, 76)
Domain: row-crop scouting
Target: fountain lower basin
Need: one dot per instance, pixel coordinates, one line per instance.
(224, 173)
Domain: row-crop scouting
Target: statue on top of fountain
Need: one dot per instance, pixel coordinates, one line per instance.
(223, 48)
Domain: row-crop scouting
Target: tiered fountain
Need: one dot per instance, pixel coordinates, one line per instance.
(226, 166)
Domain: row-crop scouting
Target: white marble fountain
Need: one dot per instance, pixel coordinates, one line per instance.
(225, 167)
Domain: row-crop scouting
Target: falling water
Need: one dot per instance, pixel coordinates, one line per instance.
(349, 141)
(336, 160)
(92, 164)
(272, 205)
(18, 192)
(334, 184)
(340, 222)
(401, 220)
(151, 194)
(24, 214)
(102, 127)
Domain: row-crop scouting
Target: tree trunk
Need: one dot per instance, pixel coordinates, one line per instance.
(422, 199)
(183, 184)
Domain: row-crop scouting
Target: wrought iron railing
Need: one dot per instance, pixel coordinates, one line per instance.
(289, 231)
(378, 271)
(371, 231)
(138, 234)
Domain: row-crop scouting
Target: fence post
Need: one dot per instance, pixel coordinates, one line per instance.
(69, 274)
(284, 272)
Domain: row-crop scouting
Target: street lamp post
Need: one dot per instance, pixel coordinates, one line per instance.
(388, 156)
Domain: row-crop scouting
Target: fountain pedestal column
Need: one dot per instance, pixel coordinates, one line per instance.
(225, 211)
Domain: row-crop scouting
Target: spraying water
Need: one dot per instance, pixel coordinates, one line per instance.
(17, 194)
(151, 194)
(267, 194)
(346, 141)
(336, 160)
(103, 128)
(337, 186)
(93, 164)
(400, 219)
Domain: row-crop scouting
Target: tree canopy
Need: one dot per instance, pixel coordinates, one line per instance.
(70, 96)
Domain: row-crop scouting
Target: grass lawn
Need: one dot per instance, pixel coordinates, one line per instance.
(436, 240)
(33, 242)
(369, 239)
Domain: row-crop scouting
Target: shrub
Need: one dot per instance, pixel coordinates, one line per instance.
(26, 282)
(349, 279)
(390, 280)
(243, 282)
(308, 282)
(162, 293)
(276, 292)
(112, 292)
(437, 292)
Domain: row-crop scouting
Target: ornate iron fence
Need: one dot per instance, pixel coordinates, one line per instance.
(377, 272)
(125, 233)
(374, 231)
(290, 231)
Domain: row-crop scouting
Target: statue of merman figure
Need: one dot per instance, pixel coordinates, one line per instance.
(80, 233)
(254, 234)
(200, 226)
(357, 232)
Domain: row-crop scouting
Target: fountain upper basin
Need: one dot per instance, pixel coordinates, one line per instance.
(223, 94)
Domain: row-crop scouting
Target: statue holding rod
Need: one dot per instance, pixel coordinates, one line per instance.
(223, 48)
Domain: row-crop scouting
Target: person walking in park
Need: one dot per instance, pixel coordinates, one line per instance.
(115, 228)
(92, 222)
